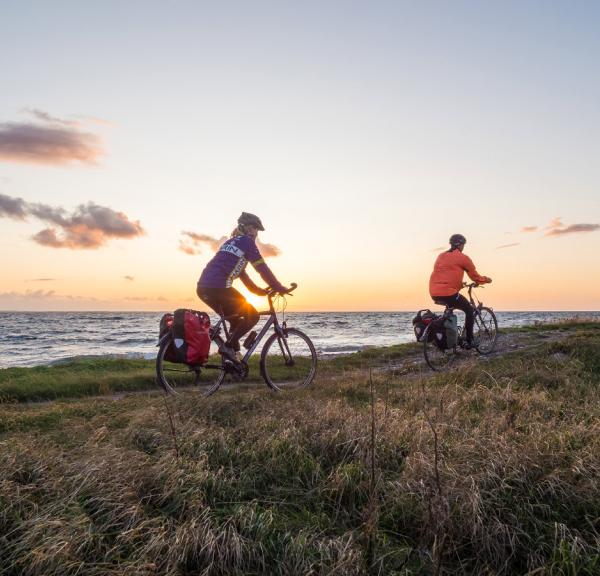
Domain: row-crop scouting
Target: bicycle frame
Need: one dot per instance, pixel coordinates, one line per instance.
(472, 299)
(273, 320)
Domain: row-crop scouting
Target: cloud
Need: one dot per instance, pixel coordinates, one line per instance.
(438, 249)
(507, 245)
(192, 242)
(45, 117)
(130, 278)
(29, 294)
(268, 249)
(41, 280)
(554, 223)
(529, 228)
(561, 230)
(145, 298)
(51, 141)
(186, 248)
(88, 227)
(193, 239)
(12, 207)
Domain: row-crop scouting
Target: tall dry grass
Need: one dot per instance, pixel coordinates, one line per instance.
(492, 469)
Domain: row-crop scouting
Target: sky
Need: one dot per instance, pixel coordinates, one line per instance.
(133, 134)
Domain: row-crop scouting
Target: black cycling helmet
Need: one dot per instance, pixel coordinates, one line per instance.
(457, 240)
(247, 219)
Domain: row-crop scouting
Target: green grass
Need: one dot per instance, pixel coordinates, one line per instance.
(74, 379)
(489, 469)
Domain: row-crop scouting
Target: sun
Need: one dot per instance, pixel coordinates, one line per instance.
(259, 302)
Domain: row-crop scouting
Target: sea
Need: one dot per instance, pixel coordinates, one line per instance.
(45, 338)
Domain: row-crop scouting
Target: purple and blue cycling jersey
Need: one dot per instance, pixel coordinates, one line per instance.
(230, 263)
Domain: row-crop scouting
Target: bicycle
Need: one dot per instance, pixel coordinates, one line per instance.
(438, 354)
(288, 358)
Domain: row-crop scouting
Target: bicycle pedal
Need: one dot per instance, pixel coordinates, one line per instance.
(249, 340)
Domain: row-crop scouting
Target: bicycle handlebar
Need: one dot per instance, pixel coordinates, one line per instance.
(273, 293)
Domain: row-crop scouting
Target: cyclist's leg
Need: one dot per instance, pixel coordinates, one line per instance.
(247, 317)
(230, 302)
(459, 302)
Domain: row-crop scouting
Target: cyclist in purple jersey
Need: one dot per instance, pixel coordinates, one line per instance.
(214, 286)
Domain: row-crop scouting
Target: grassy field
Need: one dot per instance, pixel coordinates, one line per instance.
(490, 469)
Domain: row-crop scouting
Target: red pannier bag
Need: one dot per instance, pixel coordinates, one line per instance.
(191, 336)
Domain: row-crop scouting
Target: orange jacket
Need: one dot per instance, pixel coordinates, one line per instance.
(448, 271)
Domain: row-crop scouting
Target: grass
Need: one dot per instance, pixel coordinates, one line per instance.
(490, 469)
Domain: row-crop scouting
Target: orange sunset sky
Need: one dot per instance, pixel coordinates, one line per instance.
(132, 136)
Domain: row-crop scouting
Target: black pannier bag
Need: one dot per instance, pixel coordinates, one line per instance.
(166, 323)
(421, 321)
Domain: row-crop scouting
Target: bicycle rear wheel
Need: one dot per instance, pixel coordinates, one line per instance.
(437, 357)
(486, 330)
(288, 361)
(174, 377)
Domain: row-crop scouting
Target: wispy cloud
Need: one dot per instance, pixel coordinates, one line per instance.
(507, 245)
(438, 249)
(45, 117)
(268, 249)
(90, 226)
(40, 280)
(50, 140)
(529, 228)
(192, 244)
(129, 278)
(561, 230)
(37, 294)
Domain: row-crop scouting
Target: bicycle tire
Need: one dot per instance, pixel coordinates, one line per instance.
(486, 333)
(173, 376)
(436, 358)
(293, 364)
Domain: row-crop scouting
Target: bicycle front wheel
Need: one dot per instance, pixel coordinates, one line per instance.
(174, 377)
(436, 355)
(288, 361)
(486, 330)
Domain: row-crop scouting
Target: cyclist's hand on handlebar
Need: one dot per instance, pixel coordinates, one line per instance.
(283, 290)
(261, 291)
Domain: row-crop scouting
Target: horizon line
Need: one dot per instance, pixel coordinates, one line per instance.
(287, 312)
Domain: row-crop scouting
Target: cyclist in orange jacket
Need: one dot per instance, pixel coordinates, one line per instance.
(447, 279)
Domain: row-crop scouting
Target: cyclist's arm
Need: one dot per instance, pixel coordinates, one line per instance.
(472, 272)
(254, 257)
(251, 285)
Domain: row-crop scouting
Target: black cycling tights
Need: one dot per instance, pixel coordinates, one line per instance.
(229, 302)
(459, 302)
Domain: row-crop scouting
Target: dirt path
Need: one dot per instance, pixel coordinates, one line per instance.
(507, 343)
